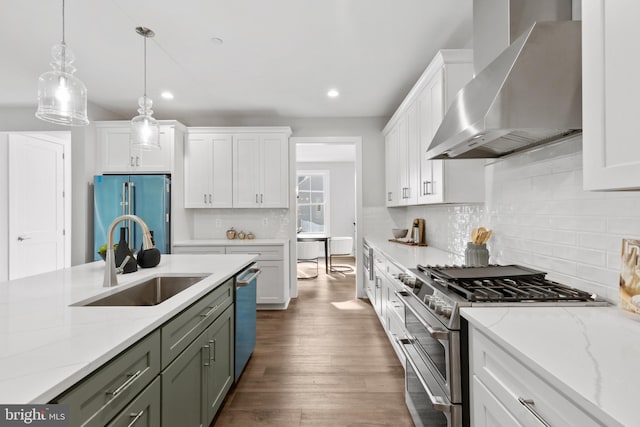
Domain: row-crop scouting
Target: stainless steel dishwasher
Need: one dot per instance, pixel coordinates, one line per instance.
(245, 317)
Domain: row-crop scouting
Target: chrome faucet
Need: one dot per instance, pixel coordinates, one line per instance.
(110, 278)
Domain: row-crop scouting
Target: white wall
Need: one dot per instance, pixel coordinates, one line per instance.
(18, 119)
(342, 192)
(542, 218)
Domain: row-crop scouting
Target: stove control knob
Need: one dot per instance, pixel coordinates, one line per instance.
(433, 301)
(446, 311)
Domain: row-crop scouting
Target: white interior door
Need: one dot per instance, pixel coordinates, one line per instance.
(36, 205)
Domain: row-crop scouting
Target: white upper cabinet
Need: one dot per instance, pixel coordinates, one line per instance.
(208, 170)
(261, 170)
(411, 177)
(115, 154)
(610, 94)
(237, 167)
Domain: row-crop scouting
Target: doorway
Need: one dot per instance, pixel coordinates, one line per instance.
(337, 224)
(38, 214)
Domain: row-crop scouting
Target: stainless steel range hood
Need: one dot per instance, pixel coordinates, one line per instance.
(531, 94)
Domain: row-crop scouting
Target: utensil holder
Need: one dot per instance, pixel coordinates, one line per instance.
(476, 255)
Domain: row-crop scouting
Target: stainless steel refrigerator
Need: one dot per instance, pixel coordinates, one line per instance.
(147, 196)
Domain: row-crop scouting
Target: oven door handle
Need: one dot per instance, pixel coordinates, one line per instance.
(437, 402)
(438, 334)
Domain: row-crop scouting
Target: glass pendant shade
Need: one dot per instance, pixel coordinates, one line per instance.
(62, 97)
(145, 130)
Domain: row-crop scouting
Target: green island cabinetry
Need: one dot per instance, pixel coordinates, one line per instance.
(178, 375)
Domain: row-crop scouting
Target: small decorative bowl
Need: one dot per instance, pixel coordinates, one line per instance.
(399, 233)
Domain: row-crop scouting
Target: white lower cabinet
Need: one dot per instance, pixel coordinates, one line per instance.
(273, 260)
(505, 392)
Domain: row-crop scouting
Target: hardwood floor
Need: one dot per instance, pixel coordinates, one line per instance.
(325, 361)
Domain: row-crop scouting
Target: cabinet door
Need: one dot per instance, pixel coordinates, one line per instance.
(431, 113)
(221, 174)
(392, 161)
(143, 411)
(220, 377)
(412, 164)
(270, 286)
(184, 387)
(246, 171)
(275, 171)
(114, 149)
(197, 171)
(609, 94)
(156, 160)
(487, 411)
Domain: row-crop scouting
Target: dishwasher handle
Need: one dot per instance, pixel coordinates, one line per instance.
(245, 281)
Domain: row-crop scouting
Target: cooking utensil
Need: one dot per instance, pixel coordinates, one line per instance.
(486, 236)
(474, 235)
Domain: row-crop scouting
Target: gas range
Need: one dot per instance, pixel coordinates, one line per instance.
(436, 337)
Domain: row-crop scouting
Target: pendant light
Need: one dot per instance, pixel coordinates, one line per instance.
(62, 97)
(145, 130)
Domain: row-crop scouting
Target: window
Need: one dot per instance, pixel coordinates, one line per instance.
(313, 202)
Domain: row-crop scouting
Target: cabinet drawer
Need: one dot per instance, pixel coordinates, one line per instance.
(97, 399)
(144, 411)
(264, 252)
(509, 380)
(206, 249)
(186, 326)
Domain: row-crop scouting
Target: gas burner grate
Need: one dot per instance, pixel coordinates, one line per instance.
(509, 283)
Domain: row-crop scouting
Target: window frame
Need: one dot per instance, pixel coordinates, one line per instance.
(326, 191)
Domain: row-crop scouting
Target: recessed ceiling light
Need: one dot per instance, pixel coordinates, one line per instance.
(166, 95)
(333, 93)
(217, 40)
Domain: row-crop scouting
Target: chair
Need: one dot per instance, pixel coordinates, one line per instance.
(308, 252)
(340, 246)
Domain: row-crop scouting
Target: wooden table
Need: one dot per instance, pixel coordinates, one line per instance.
(318, 237)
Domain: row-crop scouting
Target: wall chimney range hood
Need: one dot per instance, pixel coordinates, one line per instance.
(529, 95)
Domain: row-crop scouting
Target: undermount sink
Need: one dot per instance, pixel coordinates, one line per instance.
(152, 291)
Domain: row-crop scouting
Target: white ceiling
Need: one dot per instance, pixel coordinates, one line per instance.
(279, 57)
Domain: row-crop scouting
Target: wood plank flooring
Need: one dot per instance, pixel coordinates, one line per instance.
(325, 361)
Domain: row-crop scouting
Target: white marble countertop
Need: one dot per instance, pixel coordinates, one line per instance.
(588, 353)
(410, 256)
(47, 346)
(234, 242)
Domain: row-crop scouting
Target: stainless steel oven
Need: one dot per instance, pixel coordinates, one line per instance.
(425, 398)
(433, 372)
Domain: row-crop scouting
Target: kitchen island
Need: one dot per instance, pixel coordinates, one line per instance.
(48, 345)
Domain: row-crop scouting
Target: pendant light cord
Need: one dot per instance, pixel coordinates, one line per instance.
(63, 41)
(145, 70)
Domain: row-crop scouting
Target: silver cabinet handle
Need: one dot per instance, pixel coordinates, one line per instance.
(212, 346)
(132, 163)
(135, 417)
(21, 238)
(206, 359)
(137, 161)
(210, 312)
(389, 196)
(124, 385)
(205, 198)
(529, 404)
(425, 188)
(261, 198)
(209, 198)
(256, 197)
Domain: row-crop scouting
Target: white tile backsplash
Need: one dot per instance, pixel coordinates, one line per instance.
(542, 218)
(263, 223)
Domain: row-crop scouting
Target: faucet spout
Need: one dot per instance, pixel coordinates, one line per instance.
(110, 278)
